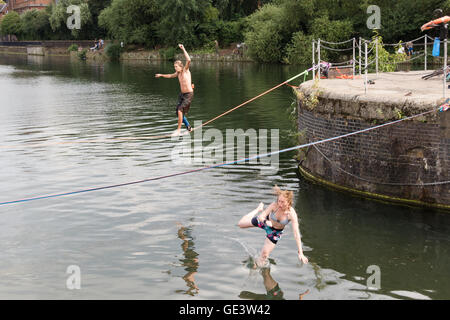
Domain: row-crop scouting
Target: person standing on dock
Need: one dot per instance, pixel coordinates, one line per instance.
(187, 89)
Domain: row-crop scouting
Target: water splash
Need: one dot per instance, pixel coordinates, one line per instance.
(250, 262)
(251, 251)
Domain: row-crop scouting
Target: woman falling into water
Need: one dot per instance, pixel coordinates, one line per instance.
(273, 220)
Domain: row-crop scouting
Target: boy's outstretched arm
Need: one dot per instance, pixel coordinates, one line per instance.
(186, 55)
(168, 76)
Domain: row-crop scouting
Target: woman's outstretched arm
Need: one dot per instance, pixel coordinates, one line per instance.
(296, 229)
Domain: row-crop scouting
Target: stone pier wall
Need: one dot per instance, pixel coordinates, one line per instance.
(404, 162)
(13, 50)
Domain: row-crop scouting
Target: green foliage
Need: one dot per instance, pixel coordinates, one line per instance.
(402, 19)
(181, 22)
(208, 47)
(297, 14)
(167, 53)
(264, 37)
(113, 51)
(274, 30)
(82, 54)
(96, 7)
(230, 31)
(131, 21)
(59, 16)
(230, 10)
(211, 14)
(35, 24)
(332, 31)
(274, 36)
(387, 62)
(10, 24)
(73, 47)
(299, 50)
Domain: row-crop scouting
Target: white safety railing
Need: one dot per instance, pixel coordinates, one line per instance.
(365, 47)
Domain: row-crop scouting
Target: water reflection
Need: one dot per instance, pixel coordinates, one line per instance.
(190, 261)
(35, 60)
(274, 291)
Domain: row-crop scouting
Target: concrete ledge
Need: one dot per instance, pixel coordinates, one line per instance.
(37, 51)
(401, 90)
(13, 50)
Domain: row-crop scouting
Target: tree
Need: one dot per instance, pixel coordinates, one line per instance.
(180, 21)
(131, 21)
(235, 9)
(35, 24)
(266, 33)
(59, 16)
(10, 24)
(270, 28)
(96, 7)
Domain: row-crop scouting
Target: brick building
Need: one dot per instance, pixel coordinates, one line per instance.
(23, 5)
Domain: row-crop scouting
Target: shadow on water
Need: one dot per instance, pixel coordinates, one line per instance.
(273, 290)
(190, 260)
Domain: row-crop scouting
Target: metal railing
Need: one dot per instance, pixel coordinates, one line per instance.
(363, 47)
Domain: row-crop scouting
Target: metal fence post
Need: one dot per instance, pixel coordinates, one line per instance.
(376, 55)
(354, 57)
(360, 57)
(445, 68)
(314, 59)
(426, 38)
(365, 82)
(319, 62)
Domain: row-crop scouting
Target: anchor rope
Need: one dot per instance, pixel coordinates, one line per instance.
(442, 108)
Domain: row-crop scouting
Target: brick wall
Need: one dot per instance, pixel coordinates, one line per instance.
(407, 153)
(22, 5)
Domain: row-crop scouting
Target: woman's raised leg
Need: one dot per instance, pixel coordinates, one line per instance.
(246, 221)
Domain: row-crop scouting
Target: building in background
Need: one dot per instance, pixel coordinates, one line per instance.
(3, 8)
(22, 5)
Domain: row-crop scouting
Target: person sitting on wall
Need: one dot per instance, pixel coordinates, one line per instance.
(95, 47)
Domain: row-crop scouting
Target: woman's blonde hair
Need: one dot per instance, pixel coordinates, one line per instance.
(288, 195)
